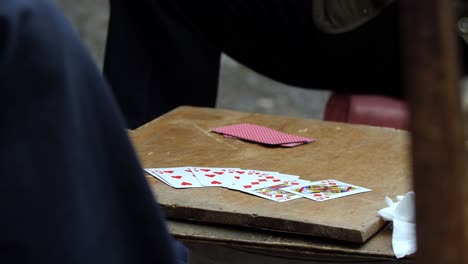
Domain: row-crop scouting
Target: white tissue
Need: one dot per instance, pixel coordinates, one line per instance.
(402, 214)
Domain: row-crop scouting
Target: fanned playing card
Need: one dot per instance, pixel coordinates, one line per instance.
(179, 177)
(277, 193)
(155, 175)
(235, 176)
(213, 176)
(326, 190)
(270, 185)
(261, 134)
(253, 179)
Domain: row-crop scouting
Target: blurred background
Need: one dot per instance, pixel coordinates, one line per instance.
(239, 88)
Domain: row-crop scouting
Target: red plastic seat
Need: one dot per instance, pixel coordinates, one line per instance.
(370, 110)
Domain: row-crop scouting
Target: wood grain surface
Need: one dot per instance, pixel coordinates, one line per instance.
(371, 157)
(432, 80)
(378, 247)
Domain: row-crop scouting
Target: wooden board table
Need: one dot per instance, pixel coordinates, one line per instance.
(213, 244)
(371, 157)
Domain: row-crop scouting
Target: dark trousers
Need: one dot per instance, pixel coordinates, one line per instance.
(165, 53)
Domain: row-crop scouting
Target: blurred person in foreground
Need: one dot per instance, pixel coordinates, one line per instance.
(72, 190)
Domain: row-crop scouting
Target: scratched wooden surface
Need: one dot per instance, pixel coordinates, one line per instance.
(201, 238)
(375, 158)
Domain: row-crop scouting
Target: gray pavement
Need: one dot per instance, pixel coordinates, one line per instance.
(239, 88)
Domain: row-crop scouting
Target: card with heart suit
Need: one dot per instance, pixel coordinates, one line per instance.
(155, 175)
(326, 190)
(270, 185)
(220, 177)
(246, 180)
(277, 193)
(179, 177)
(235, 178)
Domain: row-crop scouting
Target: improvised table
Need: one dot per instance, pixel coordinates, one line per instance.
(371, 157)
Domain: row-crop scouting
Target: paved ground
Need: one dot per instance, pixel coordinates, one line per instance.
(239, 89)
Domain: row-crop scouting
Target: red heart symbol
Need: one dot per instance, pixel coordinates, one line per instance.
(240, 172)
(177, 177)
(169, 171)
(205, 170)
(216, 182)
(210, 175)
(219, 172)
(186, 183)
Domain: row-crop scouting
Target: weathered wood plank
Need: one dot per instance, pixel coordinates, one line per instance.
(371, 157)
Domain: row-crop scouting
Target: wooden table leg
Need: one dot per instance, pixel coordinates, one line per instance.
(432, 77)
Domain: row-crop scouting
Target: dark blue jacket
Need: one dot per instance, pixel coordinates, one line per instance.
(71, 188)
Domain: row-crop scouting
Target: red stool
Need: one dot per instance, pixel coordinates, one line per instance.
(370, 110)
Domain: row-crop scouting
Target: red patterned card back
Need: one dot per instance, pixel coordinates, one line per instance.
(261, 134)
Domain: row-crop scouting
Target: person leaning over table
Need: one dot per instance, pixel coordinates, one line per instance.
(165, 53)
(72, 190)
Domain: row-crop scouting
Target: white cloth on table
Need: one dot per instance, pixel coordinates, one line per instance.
(402, 214)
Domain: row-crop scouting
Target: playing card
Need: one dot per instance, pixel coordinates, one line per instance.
(289, 176)
(235, 176)
(277, 193)
(253, 179)
(261, 134)
(154, 174)
(179, 177)
(326, 190)
(213, 176)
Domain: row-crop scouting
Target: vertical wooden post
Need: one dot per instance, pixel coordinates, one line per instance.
(431, 74)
